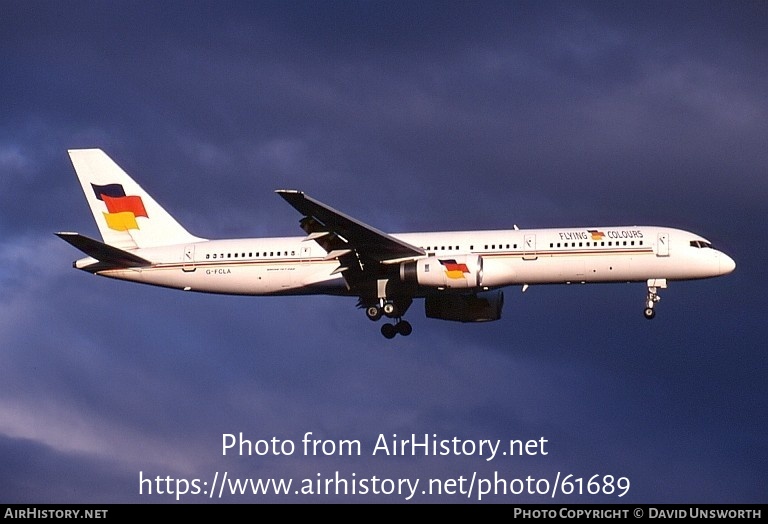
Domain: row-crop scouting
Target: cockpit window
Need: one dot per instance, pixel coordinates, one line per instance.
(700, 244)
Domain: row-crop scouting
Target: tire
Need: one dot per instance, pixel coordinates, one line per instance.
(373, 312)
(390, 310)
(388, 330)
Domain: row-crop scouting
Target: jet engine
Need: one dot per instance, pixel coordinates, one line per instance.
(474, 307)
(457, 272)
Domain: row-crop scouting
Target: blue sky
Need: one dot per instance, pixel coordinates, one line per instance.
(410, 117)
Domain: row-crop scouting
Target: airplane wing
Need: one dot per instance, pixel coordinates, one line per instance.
(342, 234)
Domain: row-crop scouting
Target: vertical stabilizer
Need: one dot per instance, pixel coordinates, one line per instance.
(127, 216)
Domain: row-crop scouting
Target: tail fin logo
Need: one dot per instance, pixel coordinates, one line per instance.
(453, 269)
(122, 209)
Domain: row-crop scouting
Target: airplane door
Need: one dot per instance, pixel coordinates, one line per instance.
(529, 247)
(662, 245)
(300, 271)
(189, 258)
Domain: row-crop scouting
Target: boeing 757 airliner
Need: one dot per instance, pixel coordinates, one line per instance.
(459, 274)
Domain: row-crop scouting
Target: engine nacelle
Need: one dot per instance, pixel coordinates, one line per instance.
(475, 307)
(458, 272)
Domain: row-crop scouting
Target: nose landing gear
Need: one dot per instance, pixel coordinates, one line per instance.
(654, 284)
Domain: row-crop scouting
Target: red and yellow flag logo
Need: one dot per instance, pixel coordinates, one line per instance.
(454, 269)
(122, 209)
(596, 235)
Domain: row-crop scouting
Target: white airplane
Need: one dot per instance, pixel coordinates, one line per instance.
(459, 274)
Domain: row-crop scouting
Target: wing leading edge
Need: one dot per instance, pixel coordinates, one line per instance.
(335, 231)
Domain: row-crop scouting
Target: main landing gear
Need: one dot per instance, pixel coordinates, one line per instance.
(390, 310)
(654, 285)
(402, 327)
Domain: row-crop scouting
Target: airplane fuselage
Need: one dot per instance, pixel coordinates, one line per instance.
(459, 274)
(291, 265)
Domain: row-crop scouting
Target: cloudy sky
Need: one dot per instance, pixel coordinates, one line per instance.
(410, 116)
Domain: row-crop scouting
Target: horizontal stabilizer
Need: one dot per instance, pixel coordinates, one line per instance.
(109, 256)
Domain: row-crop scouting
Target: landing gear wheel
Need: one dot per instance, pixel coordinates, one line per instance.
(389, 330)
(653, 297)
(404, 328)
(373, 312)
(390, 310)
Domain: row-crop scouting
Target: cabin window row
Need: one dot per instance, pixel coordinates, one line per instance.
(251, 254)
(471, 248)
(501, 246)
(610, 243)
(441, 248)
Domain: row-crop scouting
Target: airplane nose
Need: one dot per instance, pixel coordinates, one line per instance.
(727, 264)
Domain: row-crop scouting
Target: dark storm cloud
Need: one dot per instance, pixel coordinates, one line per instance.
(502, 98)
(409, 116)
